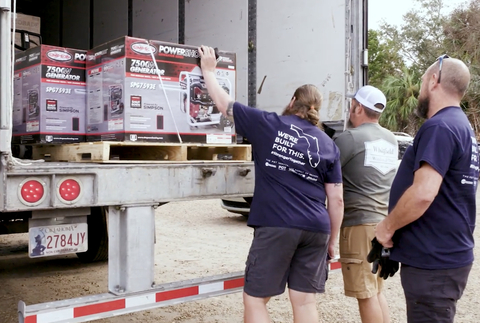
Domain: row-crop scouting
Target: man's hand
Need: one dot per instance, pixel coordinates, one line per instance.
(383, 235)
(331, 250)
(208, 60)
(380, 257)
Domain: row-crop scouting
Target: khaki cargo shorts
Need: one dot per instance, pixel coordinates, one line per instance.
(355, 244)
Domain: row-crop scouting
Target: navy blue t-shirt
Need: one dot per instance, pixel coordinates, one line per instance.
(442, 238)
(293, 160)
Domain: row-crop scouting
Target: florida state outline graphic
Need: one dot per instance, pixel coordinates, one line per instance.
(313, 150)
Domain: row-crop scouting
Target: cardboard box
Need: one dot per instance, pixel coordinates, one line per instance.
(126, 101)
(30, 24)
(49, 95)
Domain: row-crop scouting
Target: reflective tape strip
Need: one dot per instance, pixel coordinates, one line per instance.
(98, 308)
(31, 319)
(176, 293)
(56, 316)
(234, 283)
(334, 265)
(135, 301)
(208, 288)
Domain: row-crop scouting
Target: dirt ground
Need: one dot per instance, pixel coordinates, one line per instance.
(193, 239)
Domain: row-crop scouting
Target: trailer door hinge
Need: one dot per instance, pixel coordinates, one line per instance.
(365, 58)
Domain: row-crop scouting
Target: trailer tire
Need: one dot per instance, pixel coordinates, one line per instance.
(97, 236)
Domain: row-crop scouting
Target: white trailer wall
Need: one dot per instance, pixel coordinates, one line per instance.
(222, 24)
(305, 45)
(156, 20)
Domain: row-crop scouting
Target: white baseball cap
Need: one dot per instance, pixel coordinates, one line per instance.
(369, 96)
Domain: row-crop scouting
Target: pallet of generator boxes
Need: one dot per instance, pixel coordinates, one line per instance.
(127, 101)
(49, 96)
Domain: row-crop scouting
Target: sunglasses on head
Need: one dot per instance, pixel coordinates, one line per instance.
(440, 64)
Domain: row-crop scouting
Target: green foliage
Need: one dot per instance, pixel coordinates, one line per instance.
(425, 34)
(401, 92)
(422, 34)
(384, 58)
(462, 32)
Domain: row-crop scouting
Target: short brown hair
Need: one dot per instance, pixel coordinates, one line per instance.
(373, 114)
(368, 112)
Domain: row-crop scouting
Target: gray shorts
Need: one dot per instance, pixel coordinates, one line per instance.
(432, 295)
(282, 255)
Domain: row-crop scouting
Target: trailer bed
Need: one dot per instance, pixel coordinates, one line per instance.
(123, 184)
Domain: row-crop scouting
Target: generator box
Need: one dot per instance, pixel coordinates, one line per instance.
(49, 95)
(128, 100)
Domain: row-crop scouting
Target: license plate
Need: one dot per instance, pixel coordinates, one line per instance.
(57, 239)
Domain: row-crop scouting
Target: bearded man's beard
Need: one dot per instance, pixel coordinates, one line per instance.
(422, 107)
(349, 121)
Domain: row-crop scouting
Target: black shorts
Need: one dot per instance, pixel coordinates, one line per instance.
(432, 295)
(281, 255)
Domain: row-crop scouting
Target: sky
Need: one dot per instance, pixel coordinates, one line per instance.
(392, 11)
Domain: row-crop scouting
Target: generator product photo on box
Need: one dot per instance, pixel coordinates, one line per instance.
(127, 100)
(49, 96)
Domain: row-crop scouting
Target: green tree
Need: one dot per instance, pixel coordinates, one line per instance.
(421, 35)
(401, 92)
(414, 46)
(425, 34)
(462, 32)
(384, 58)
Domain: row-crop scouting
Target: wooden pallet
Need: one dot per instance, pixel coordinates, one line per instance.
(138, 152)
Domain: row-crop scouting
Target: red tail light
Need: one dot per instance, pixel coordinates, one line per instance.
(69, 190)
(32, 192)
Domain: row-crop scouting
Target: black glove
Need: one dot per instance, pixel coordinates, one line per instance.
(388, 267)
(375, 255)
(380, 256)
(376, 251)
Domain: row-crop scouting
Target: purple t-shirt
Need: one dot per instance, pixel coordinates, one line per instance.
(442, 238)
(293, 160)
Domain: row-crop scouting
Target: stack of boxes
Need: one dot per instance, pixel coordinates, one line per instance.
(118, 94)
(49, 96)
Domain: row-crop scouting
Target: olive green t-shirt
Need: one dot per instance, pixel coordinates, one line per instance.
(369, 158)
